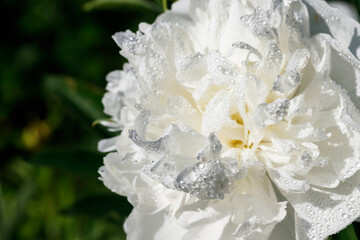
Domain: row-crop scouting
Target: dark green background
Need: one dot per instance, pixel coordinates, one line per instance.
(54, 55)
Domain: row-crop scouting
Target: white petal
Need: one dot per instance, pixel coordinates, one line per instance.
(258, 212)
(342, 148)
(210, 231)
(107, 145)
(288, 183)
(322, 212)
(189, 219)
(181, 7)
(182, 110)
(325, 19)
(285, 230)
(156, 227)
(112, 104)
(343, 66)
(125, 177)
(347, 8)
(122, 82)
(113, 177)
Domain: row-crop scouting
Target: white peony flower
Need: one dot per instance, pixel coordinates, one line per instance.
(239, 120)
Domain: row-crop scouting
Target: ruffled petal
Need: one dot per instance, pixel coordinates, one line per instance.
(326, 19)
(322, 212)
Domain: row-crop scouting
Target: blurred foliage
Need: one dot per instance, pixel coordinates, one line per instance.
(54, 57)
(356, 3)
(53, 61)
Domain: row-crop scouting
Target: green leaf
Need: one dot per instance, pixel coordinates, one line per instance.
(79, 161)
(110, 4)
(3, 218)
(85, 97)
(345, 234)
(11, 213)
(100, 206)
(356, 225)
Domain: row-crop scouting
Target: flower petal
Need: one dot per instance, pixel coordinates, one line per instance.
(213, 230)
(345, 7)
(322, 212)
(158, 226)
(326, 19)
(107, 145)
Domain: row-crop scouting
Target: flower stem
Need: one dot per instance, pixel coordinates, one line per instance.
(164, 5)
